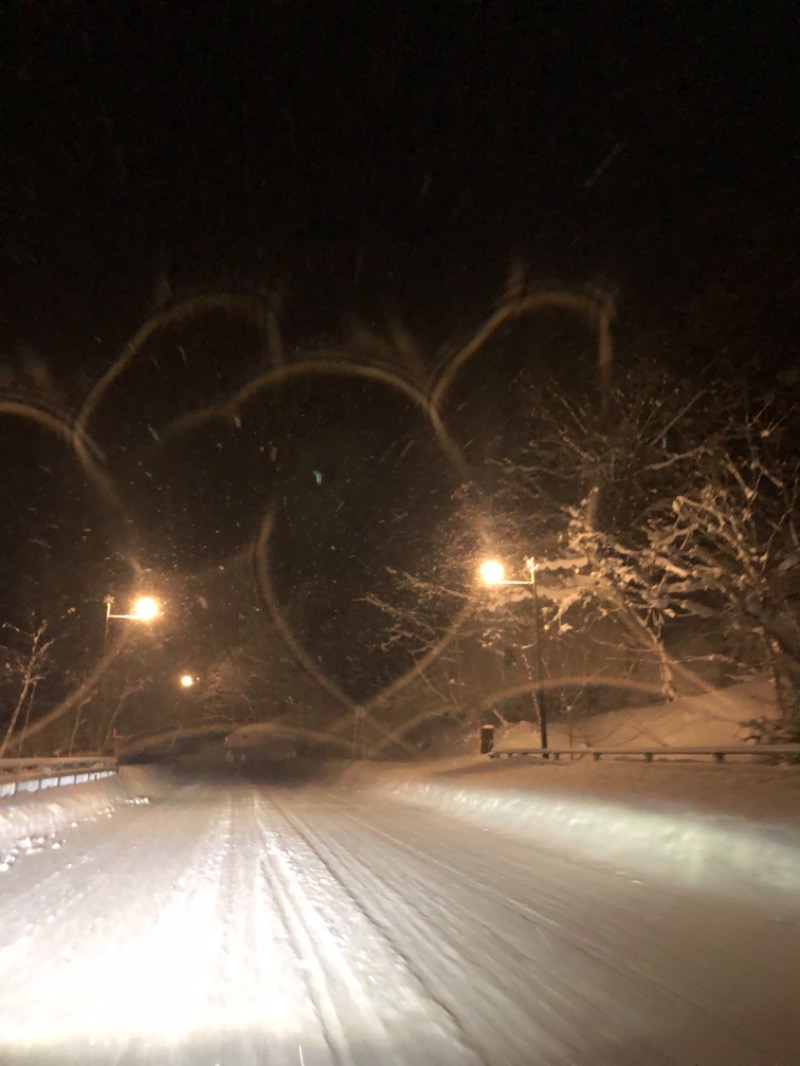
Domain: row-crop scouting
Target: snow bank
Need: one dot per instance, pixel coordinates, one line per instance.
(672, 839)
(703, 720)
(31, 821)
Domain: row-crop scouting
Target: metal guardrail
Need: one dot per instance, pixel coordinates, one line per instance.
(719, 752)
(35, 774)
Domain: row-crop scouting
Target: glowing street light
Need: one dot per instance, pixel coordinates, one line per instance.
(144, 609)
(492, 572)
(186, 681)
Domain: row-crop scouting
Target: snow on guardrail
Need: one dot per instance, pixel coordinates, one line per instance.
(31, 822)
(35, 774)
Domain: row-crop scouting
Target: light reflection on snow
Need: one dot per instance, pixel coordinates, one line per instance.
(152, 985)
(687, 846)
(245, 926)
(241, 939)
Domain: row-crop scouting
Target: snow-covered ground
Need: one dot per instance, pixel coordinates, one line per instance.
(680, 823)
(232, 923)
(683, 818)
(457, 910)
(32, 822)
(714, 717)
(679, 819)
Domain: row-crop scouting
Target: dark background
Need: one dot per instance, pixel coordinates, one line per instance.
(385, 154)
(372, 166)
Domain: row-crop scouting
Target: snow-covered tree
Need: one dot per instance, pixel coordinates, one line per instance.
(730, 545)
(688, 512)
(595, 472)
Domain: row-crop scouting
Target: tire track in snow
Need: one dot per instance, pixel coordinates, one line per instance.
(430, 1023)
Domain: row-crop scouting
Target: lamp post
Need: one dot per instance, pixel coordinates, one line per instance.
(493, 573)
(143, 609)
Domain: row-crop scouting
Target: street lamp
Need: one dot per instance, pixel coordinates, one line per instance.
(186, 681)
(493, 573)
(143, 609)
(146, 608)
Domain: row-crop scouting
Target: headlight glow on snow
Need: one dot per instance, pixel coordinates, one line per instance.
(681, 845)
(238, 937)
(152, 985)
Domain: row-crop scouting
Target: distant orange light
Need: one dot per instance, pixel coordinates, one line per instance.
(187, 680)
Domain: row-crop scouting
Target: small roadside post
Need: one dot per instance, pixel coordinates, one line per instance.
(485, 737)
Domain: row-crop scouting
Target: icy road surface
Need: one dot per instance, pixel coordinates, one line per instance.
(235, 924)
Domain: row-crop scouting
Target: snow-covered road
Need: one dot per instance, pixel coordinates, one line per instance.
(238, 924)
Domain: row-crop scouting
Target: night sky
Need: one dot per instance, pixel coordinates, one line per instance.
(359, 171)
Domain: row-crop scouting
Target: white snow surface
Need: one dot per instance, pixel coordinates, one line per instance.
(686, 821)
(601, 815)
(501, 913)
(231, 922)
(44, 816)
(713, 717)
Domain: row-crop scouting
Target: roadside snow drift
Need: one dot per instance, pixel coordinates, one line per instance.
(672, 841)
(31, 821)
